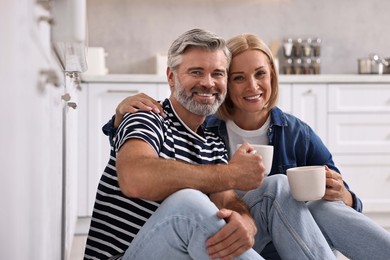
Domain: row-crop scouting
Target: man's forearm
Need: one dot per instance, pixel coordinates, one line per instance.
(156, 178)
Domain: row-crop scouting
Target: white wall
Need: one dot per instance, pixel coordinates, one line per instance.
(133, 31)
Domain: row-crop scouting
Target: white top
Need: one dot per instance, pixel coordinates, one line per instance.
(238, 135)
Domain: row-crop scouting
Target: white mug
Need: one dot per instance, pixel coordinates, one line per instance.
(307, 182)
(266, 152)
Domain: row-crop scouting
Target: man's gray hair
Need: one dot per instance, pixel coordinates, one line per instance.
(195, 38)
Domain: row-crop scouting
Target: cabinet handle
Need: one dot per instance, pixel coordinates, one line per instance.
(49, 76)
(72, 105)
(133, 92)
(66, 97)
(309, 92)
(46, 18)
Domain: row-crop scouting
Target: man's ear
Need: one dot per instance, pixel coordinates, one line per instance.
(170, 77)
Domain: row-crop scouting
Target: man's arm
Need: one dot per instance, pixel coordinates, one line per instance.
(142, 174)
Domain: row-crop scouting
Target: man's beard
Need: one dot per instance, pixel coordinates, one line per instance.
(193, 106)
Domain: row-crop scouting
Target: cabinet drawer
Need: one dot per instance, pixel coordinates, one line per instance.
(359, 134)
(359, 98)
(369, 177)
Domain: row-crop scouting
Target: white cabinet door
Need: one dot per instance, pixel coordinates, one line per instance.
(359, 134)
(309, 103)
(102, 100)
(285, 97)
(30, 137)
(369, 177)
(70, 161)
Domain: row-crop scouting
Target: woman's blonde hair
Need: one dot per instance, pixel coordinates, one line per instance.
(237, 45)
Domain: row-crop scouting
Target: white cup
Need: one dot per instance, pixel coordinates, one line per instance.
(307, 182)
(266, 152)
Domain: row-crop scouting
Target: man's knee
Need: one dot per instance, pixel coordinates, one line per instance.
(189, 201)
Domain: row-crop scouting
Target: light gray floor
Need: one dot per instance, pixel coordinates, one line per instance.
(80, 238)
(79, 244)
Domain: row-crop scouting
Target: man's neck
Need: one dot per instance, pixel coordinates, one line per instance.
(192, 120)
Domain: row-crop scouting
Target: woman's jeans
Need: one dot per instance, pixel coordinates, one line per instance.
(353, 234)
(184, 221)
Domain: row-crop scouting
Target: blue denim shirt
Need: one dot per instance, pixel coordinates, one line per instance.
(295, 144)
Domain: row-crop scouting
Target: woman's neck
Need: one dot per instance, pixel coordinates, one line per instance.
(250, 121)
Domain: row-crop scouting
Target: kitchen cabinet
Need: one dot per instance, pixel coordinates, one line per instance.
(359, 137)
(285, 97)
(353, 120)
(38, 161)
(70, 158)
(310, 105)
(100, 101)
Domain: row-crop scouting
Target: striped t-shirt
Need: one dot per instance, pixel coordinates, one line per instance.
(116, 219)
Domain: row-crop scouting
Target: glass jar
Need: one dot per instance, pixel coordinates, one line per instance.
(288, 67)
(307, 67)
(298, 69)
(317, 66)
(288, 47)
(298, 48)
(317, 47)
(306, 47)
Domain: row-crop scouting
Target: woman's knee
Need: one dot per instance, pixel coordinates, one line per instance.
(277, 185)
(274, 187)
(323, 210)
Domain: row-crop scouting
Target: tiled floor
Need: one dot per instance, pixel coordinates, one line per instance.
(79, 240)
(79, 244)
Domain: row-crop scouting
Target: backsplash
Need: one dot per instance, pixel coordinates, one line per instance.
(133, 32)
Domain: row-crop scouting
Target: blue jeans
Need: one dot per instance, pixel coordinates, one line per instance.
(184, 221)
(285, 221)
(353, 234)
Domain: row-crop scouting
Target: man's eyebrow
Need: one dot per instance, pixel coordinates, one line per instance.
(195, 68)
(220, 70)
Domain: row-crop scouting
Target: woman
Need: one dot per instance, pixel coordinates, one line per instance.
(249, 114)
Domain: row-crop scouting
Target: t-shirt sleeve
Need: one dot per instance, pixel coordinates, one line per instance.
(147, 126)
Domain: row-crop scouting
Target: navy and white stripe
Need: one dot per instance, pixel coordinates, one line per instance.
(116, 219)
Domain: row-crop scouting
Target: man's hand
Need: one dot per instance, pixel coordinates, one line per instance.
(247, 168)
(234, 238)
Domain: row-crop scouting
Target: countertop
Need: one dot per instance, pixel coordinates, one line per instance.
(283, 79)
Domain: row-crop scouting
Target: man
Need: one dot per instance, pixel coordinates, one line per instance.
(167, 192)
